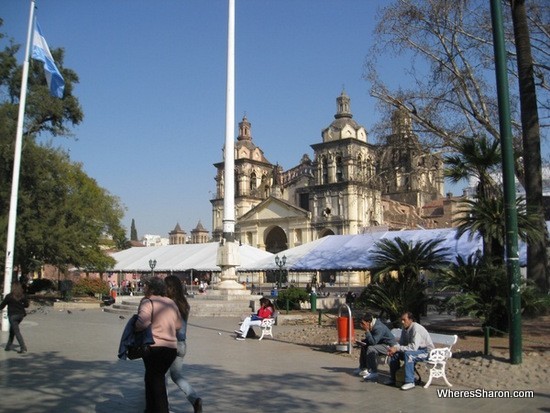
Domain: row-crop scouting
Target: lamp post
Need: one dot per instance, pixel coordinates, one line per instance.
(280, 262)
(152, 264)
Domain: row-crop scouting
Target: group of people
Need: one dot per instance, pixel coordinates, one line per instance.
(166, 309)
(266, 310)
(414, 345)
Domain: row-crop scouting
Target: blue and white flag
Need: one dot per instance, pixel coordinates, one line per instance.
(41, 51)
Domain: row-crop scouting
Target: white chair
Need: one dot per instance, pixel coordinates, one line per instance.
(437, 361)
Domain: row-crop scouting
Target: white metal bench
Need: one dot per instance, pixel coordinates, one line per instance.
(437, 359)
(267, 327)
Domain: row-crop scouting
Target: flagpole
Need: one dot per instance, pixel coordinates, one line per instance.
(10, 244)
(228, 253)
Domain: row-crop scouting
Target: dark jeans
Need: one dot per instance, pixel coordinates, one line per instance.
(14, 331)
(157, 362)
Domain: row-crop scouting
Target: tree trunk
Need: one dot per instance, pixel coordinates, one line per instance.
(537, 262)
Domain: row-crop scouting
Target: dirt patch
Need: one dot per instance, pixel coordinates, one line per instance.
(469, 367)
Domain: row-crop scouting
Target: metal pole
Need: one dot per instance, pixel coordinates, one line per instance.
(508, 176)
(12, 217)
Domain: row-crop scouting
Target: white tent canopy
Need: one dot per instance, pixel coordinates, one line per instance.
(353, 252)
(184, 257)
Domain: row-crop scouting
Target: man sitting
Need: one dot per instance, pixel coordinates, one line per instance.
(414, 345)
(378, 338)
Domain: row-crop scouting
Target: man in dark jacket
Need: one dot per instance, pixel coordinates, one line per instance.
(378, 338)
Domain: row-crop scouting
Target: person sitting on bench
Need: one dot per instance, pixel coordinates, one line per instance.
(414, 345)
(378, 338)
(266, 311)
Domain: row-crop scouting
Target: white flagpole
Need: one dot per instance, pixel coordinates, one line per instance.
(228, 253)
(229, 155)
(10, 244)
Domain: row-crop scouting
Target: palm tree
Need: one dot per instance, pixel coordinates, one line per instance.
(477, 157)
(392, 295)
(485, 216)
(537, 260)
(408, 259)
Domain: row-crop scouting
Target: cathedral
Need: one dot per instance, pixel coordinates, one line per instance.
(351, 186)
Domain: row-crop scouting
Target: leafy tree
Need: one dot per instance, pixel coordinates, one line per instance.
(133, 231)
(63, 215)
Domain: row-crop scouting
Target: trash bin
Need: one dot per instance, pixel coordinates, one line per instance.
(313, 301)
(343, 329)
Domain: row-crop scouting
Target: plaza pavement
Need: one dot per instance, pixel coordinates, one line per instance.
(72, 366)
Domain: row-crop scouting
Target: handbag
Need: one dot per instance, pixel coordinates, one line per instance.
(137, 351)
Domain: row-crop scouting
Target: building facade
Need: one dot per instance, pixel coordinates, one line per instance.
(351, 186)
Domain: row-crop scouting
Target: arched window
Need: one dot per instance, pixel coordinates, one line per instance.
(253, 182)
(339, 169)
(324, 170)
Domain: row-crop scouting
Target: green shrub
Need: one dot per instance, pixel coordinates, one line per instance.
(41, 284)
(294, 295)
(90, 287)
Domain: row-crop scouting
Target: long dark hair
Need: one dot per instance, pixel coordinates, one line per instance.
(17, 291)
(174, 290)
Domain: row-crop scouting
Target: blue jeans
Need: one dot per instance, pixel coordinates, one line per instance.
(410, 358)
(176, 373)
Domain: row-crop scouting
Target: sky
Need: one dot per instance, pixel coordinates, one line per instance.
(153, 88)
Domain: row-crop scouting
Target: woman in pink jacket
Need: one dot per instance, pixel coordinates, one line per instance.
(162, 314)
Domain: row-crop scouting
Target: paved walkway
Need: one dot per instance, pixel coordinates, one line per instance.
(72, 366)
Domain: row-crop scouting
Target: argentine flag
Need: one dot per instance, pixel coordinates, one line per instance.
(41, 51)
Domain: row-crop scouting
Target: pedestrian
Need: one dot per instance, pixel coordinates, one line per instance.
(16, 301)
(162, 314)
(175, 290)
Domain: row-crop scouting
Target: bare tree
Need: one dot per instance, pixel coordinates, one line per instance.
(449, 87)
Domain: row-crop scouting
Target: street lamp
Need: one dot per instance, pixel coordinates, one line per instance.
(280, 262)
(152, 264)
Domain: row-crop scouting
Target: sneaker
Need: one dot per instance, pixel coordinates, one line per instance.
(23, 350)
(239, 332)
(407, 386)
(241, 338)
(371, 376)
(361, 372)
(8, 348)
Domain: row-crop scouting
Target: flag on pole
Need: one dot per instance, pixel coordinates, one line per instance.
(41, 51)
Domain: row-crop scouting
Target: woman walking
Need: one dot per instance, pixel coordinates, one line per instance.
(162, 314)
(175, 291)
(16, 302)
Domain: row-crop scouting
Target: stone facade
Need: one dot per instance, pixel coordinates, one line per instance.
(350, 187)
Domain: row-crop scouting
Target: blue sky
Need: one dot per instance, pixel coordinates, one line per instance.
(152, 88)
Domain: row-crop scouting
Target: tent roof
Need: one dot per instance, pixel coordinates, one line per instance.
(183, 257)
(352, 252)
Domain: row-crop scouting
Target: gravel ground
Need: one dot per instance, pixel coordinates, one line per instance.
(469, 367)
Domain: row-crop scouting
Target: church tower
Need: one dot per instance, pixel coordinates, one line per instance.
(344, 197)
(253, 179)
(413, 175)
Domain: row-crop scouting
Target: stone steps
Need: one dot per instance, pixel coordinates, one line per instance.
(200, 307)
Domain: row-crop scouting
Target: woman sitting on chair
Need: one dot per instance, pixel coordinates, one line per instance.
(266, 311)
